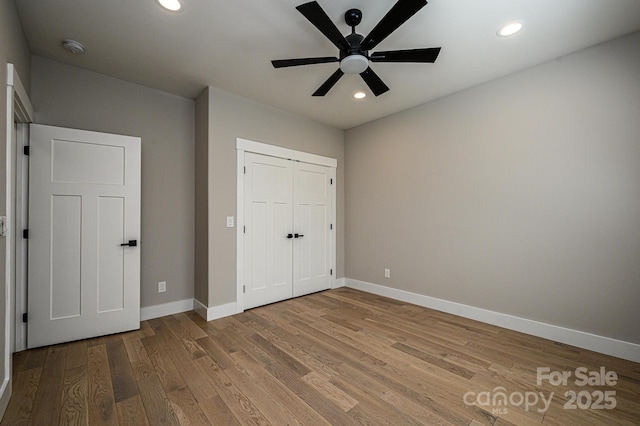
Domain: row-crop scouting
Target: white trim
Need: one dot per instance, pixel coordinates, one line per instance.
(244, 145)
(240, 230)
(200, 309)
(339, 282)
(19, 110)
(22, 103)
(290, 154)
(618, 348)
(215, 312)
(21, 245)
(170, 308)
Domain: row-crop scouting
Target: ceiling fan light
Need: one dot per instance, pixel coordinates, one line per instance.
(354, 64)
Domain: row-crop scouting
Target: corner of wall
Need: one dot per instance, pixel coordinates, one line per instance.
(201, 258)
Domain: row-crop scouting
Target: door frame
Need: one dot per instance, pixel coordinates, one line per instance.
(19, 112)
(244, 145)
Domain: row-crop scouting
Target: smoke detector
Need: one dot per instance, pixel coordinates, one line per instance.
(73, 46)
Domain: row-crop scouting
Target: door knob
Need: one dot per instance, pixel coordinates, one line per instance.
(290, 235)
(131, 243)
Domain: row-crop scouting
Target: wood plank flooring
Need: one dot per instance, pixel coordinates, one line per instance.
(340, 357)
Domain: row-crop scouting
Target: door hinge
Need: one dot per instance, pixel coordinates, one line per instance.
(245, 170)
(25, 317)
(331, 181)
(244, 289)
(331, 226)
(330, 271)
(244, 229)
(25, 234)
(25, 150)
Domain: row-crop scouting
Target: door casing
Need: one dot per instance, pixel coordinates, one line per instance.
(244, 145)
(19, 110)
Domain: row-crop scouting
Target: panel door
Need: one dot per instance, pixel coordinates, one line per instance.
(84, 203)
(312, 219)
(268, 255)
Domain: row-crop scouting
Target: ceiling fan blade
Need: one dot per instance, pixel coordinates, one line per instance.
(411, 55)
(327, 85)
(281, 63)
(374, 82)
(317, 16)
(398, 15)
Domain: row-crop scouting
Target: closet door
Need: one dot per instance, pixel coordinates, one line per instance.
(268, 209)
(311, 219)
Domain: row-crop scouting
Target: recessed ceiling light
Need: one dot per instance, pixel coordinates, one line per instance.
(359, 95)
(510, 29)
(171, 5)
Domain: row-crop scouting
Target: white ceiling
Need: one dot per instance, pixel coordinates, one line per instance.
(229, 44)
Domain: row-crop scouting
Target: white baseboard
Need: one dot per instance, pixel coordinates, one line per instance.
(215, 312)
(200, 309)
(5, 395)
(581, 339)
(157, 311)
(340, 282)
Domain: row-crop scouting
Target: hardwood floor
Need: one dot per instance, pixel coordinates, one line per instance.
(340, 357)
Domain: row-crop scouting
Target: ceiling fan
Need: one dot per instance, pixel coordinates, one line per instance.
(354, 48)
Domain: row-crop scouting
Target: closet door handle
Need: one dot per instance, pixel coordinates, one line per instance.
(290, 235)
(131, 243)
(299, 235)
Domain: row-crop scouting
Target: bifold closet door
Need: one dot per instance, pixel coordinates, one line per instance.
(287, 235)
(268, 210)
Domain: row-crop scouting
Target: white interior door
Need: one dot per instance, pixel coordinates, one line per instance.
(84, 203)
(287, 234)
(312, 221)
(268, 220)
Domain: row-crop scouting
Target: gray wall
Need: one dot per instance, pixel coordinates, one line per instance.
(68, 96)
(520, 196)
(232, 117)
(13, 49)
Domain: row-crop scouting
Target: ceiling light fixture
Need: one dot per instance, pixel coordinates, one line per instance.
(354, 64)
(359, 95)
(510, 29)
(170, 5)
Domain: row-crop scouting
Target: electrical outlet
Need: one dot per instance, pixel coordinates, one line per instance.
(387, 273)
(162, 286)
